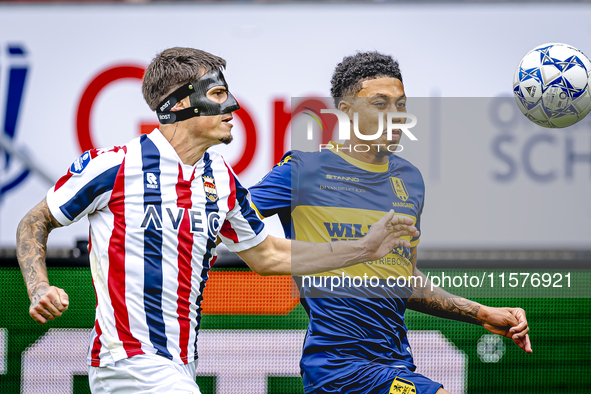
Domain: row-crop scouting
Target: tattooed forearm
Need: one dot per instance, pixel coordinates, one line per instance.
(31, 240)
(442, 304)
(438, 302)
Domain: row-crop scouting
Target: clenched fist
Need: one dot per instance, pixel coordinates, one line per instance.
(47, 303)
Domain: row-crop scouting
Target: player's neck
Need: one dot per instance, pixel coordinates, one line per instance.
(369, 157)
(189, 148)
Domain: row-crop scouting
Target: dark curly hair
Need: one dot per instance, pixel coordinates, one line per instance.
(354, 70)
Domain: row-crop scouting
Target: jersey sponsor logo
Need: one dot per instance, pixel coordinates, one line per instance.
(404, 205)
(151, 181)
(151, 216)
(402, 386)
(195, 216)
(209, 188)
(175, 220)
(399, 188)
(214, 223)
(175, 216)
(343, 231)
(342, 188)
(341, 178)
(351, 231)
(391, 260)
(80, 163)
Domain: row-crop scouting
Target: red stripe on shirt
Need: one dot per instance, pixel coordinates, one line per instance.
(116, 281)
(232, 196)
(211, 263)
(228, 232)
(96, 345)
(62, 181)
(185, 246)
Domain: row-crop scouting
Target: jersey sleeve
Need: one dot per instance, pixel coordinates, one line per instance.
(242, 229)
(415, 240)
(273, 194)
(86, 187)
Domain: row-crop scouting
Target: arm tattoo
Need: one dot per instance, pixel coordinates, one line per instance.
(31, 240)
(440, 303)
(330, 246)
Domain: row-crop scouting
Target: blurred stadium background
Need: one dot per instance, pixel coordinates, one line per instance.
(503, 195)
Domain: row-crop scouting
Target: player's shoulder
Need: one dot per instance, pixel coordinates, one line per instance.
(399, 164)
(98, 158)
(280, 174)
(287, 159)
(300, 158)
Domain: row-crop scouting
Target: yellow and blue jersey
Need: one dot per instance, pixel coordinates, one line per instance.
(329, 196)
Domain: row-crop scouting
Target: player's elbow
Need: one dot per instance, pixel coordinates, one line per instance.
(269, 268)
(271, 257)
(258, 263)
(263, 271)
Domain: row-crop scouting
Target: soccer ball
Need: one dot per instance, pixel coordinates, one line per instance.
(551, 85)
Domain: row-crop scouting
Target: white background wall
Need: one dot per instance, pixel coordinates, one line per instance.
(476, 196)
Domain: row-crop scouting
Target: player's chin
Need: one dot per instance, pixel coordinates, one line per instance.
(226, 139)
(393, 145)
(224, 133)
(387, 148)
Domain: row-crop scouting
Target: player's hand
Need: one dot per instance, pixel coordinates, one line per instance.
(47, 303)
(386, 235)
(510, 323)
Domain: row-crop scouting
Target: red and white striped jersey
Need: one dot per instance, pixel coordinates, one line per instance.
(153, 228)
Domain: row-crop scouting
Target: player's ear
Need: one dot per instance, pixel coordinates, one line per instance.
(184, 103)
(346, 106)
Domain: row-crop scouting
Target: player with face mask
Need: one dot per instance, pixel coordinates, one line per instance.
(156, 207)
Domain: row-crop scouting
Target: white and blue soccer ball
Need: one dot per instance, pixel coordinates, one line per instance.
(551, 85)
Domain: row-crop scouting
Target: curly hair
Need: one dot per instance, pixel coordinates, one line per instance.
(354, 70)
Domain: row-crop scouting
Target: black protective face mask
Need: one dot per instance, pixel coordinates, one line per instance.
(200, 104)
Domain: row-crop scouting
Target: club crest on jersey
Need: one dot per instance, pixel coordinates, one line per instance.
(80, 163)
(399, 188)
(402, 386)
(209, 187)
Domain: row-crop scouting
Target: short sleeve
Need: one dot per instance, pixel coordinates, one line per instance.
(273, 194)
(86, 187)
(242, 229)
